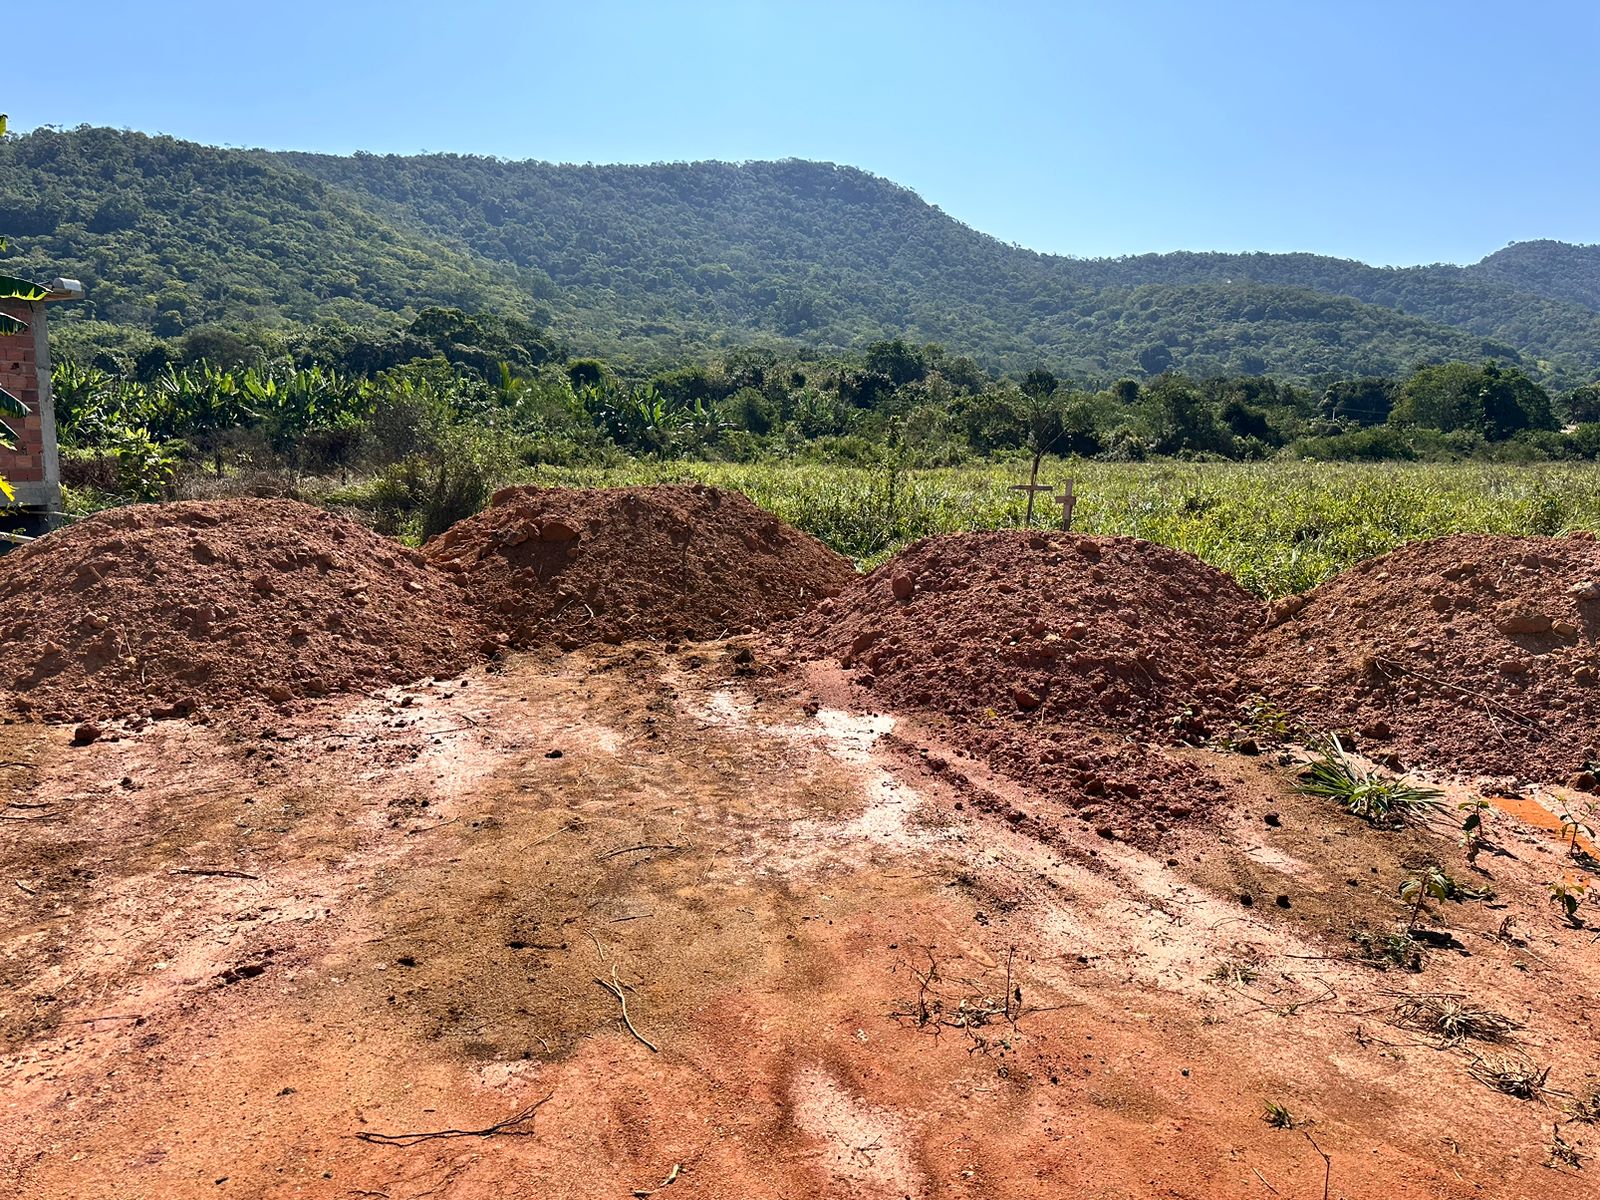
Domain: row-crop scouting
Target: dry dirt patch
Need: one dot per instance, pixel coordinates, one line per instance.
(436, 891)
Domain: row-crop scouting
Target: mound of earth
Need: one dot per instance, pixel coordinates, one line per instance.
(1059, 658)
(577, 566)
(1474, 653)
(177, 608)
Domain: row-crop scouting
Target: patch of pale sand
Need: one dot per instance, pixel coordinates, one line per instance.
(458, 746)
(889, 807)
(866, 1145)
(1135, 918)
(516, 1077)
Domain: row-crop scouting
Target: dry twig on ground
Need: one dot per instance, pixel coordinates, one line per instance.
(506, 1127)
(1327, 1164)
(672, 1178)
(615, 988)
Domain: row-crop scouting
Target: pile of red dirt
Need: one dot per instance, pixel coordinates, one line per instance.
(229, 605)
(1057, 657)
(576, 566)
(1467, 653)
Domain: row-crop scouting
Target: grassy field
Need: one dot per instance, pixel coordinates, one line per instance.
(1277, 528)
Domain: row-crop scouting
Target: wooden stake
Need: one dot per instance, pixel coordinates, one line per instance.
(1068, 502)
(1032, 487)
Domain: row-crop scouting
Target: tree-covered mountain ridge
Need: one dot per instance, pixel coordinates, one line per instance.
(651, 262)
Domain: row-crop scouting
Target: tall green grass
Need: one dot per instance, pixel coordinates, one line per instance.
(1276, 527)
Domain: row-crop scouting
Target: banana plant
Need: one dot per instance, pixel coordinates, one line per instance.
(203, 403)
(292, 405)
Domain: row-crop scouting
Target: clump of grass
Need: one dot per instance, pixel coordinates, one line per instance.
(1450, 1018)
(1512, 1076)
(1234, 972)
(1562, 1152)
(1278, 1116)
(1586, 1108)
(1364, 792)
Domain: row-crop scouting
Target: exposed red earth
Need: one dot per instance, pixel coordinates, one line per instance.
(1064, 660)
(788, 914)
(671, 563)
(219, 606)
(1472, 654)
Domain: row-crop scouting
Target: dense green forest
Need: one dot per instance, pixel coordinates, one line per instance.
(647, 266)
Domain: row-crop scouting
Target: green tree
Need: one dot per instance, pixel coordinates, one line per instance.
(1583, 404)
(1489, 400)
(1363, 401)
(1181, 418)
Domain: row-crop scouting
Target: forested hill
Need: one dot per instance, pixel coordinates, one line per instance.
(650, 262)
(1553, 269)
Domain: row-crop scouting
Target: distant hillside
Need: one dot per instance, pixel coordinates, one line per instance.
(1543, 268)
(168, 234)
(648, 262)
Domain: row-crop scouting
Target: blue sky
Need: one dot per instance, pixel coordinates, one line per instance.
(1395, 132)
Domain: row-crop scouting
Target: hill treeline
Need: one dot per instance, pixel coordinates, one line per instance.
(419, 424)
(645, 266)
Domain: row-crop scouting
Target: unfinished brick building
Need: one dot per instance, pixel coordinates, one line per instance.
(33, 469)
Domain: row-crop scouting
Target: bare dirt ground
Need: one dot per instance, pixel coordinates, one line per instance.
(240, 962)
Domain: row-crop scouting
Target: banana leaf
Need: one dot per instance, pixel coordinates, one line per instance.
(12, 288)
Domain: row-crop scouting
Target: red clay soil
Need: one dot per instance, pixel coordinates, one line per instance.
(230, 605)
(1467, 653)
(578, 566)
(1058, 658)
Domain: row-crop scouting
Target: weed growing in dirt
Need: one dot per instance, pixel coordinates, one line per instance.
(1562, 1152)
(1512, 1076)
(1429, 883)
(1586, 1108)
(1474, 826)
(1267, 721)
(1451, 1019)
(1278, 1116)
(937, 1010)
(1390, 950)
(1569, 896)
(1365, 793)
(1234, 972)
(1572, 829)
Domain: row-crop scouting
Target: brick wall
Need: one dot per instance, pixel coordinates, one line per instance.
(29, 469)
